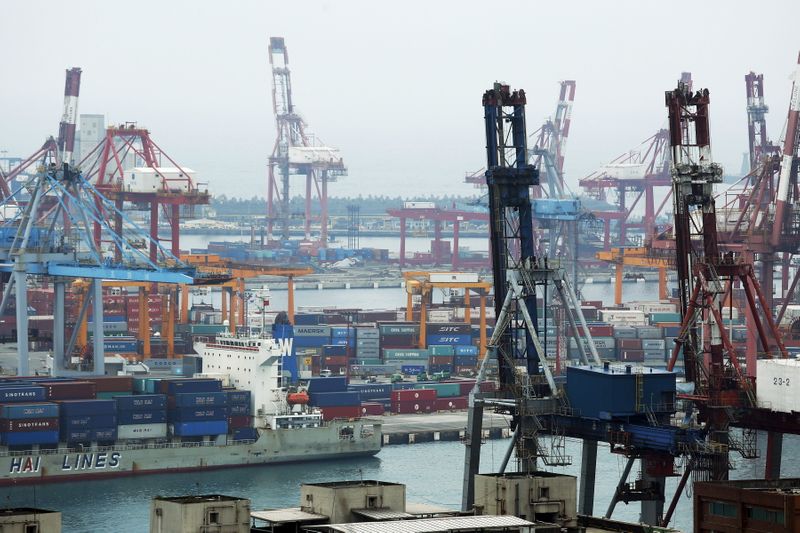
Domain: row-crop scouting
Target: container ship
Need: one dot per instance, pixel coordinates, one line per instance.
(62, 429)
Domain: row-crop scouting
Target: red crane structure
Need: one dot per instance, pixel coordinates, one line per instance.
(128, 166)
(296, 152)
(629, 178)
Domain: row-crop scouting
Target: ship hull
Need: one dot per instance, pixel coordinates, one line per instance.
(272, 447)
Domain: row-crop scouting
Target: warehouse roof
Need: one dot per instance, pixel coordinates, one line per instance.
(433, 525)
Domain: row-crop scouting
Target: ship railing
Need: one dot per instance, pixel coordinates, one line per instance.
(118, 447)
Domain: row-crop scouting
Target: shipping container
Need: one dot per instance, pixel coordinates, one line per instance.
(29, 438)
(367, 333)
(238, 397)
(67, 390)
(341, 411)
(369, 391)
(29, 424)
(443, 328)
(436, 369)
(330, 384)
(104, 434)
(444, 390)
(448, 338)
(191, 385)
(239, 421)
(412, 370)
(23, 411)
(413, 395)
(239, 409)
(411, 407)
(439, 350)
(372, 409)
(142, 431)
(112, 383)
(311, 331)
(193, 414)
(398, 328)
(405, 354)
(141, 401)
(142, 417)
(649, 332)
(22, 394)
(197, 429)
(88, 407)
(87, 421)
(601, 343)
(624, 332)
(249, 433)
(653, 344)
(329, 399)
(200, 399)
(440, 360)
(450, 404)
(629, 344)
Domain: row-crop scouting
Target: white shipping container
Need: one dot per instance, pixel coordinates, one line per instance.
(224, 378)
(458, 277)
(778, 384)
(440, 315)
(653, 307)
(142, 431)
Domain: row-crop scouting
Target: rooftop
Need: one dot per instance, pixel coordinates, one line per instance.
(354, 483)
(21, 511)
(205, 498)
(432, 525)
(521, 475)
(288, 515)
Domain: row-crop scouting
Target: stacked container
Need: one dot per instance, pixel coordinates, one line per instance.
(142, 416)
(331, 396)
(451, 334)
(240, 415)
(197, 407)
(367, 343)
(26, 424)
(413, 401)
(398, 335)
(87, 421)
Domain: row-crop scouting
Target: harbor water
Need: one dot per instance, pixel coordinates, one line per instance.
(431, 471)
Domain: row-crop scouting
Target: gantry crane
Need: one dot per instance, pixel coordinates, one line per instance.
(639, 256)
(297, 152)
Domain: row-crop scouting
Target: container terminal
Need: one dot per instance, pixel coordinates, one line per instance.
(140, 378)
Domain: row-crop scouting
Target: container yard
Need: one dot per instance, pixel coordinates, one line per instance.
(207, 298)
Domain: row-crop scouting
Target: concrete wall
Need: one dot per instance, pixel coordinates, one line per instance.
(13, 522)
(541, 496)
(193, 514)
(336, 500)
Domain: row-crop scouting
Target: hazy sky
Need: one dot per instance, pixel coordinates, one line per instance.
(396, 89)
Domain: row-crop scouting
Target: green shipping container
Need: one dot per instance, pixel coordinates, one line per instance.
(391, 354)
(440, 349)
(443, 390)
(657, 318)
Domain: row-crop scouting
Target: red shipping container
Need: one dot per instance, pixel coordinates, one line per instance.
(487, 386)
(413, 395)
(600, 330)
(69, 390)
(441, 359)
(598, 304)
(239, 421)
(466, 387)
(334, 360)
(629, 344)
(346, 411)
(631, 355)
(449, 404)
(32, 424)
(420, 406)
(112, 383)
(372, 409)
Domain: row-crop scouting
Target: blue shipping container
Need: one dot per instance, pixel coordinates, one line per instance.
(239, 409)
(449, 339)
(104, 434)
(195, 399)
(197, 429)
(238, 397)
(141, 401)
(466, 350)
(88, 421)
(412, 370)
(24, 411)
(369, 391)
(194, 414)
(28, 438)
(88, 407)
(142, 417)
(440, 368)
(245, 434)
(331, 384)
(334, 399)
(21, 394)
(120, 346)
